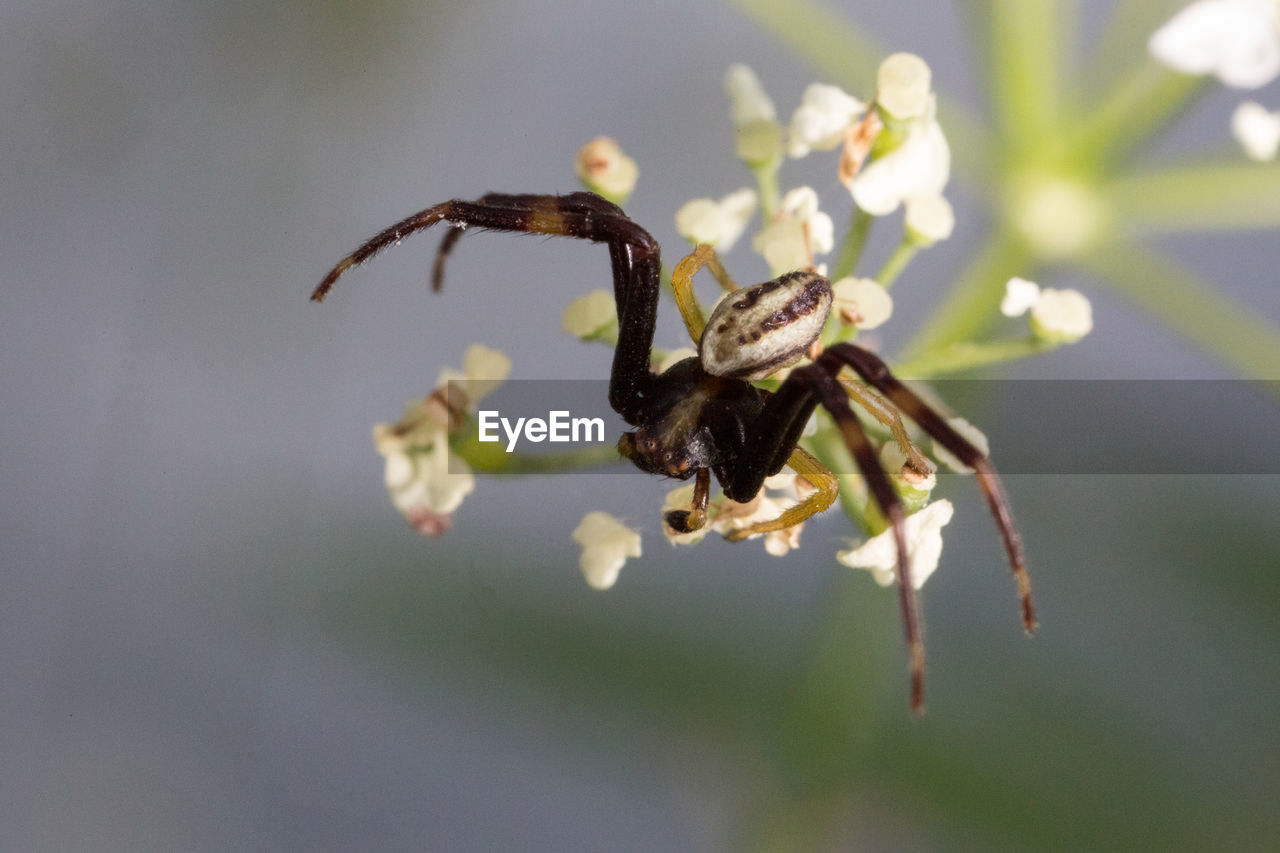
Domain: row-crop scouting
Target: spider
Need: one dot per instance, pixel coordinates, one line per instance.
(704, 416)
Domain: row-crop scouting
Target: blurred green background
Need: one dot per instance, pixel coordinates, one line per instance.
(216, 633)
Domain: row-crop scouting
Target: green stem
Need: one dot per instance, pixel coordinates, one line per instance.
(966, 356)
(1129, 113)
(1200, 197)
(490, 458)
(897, 262)
(855, 240)
(973, 304)
(1024, 58)
(767, 186)
(1193, 308)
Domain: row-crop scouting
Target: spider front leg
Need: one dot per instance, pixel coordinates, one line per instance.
(633, 252)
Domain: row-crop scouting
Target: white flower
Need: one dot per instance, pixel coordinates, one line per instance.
(903, 84)
(717, 223)
(861, 302)
(605, 170)
(1257, 130)
(759, 137)
(590, 316)
(1236, 40)
(1019, 297)
(799, 232)
(928, 219)
(825, 112)
(483, 370)
(427, 481)
(1061, 316)
(919, 166)
(969, 432)
(748, 101)
(923, 531)
(606, 545)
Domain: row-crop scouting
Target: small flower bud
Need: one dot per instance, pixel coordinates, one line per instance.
(1061, 316)
(825, 112)
(929, 218)
(748, 101)
(861, 302)
(1257, 130)
(606, 545)
(591, 316)
(605, 170)
(717, 223)
(1019, 297)
(759, 137)
(903, 86)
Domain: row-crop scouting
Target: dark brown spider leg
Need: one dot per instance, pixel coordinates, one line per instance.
(876, 373)
(783, 419)
(633, 251)
(451, 237)
(689, 520)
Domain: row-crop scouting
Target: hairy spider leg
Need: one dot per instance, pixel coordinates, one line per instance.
(634, 254)
(889, 417)
(785, 414)
(876, 373)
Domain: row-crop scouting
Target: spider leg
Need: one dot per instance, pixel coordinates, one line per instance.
(889, 417)
(827, 489)
(682, 285)
(876, 373)
(633, 252)
(775, 434)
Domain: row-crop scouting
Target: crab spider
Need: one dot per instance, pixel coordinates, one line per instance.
(703, 415)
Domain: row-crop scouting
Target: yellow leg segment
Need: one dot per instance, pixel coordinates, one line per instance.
(828, 488)
(682, 286)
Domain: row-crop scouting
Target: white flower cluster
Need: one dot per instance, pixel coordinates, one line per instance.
(1057, 316)
(1237, 41)
(426, 479)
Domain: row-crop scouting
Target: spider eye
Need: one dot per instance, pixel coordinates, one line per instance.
(760, 329)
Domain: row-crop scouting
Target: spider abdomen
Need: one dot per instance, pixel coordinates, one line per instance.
(761, 329)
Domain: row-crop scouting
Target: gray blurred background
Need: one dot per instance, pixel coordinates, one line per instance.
(216, 633)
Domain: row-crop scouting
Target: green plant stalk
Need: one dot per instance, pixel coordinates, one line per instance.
(973, 303)
(855, 240)
(966, 355)
(897, 262)
(1189, 306)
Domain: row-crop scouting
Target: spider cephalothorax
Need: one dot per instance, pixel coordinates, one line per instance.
(703, 416)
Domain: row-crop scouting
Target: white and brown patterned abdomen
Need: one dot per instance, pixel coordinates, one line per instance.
(760, 329)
